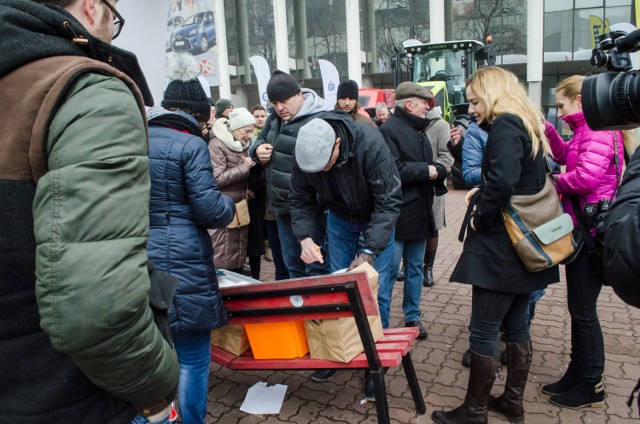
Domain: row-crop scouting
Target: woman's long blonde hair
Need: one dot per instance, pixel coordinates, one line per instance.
(571, 88)
(502, 93)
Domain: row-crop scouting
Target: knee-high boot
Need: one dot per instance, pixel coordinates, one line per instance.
(510, 402)
(429, 259)
(474, 409)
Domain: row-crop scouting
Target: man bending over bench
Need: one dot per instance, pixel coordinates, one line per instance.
(347, 166)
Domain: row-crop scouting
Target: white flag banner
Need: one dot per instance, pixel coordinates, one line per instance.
(330, 81)
(261, 69)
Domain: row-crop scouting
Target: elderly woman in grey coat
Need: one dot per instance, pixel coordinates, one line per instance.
(438, 133)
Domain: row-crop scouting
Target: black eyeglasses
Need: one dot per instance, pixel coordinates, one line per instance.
(118, 20)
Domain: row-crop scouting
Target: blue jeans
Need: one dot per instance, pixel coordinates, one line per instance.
(291, 248)
(533, 298)
(489, 310)
(276, 250)
(343, 244)
(412, 251)
(194, 355)
(144, 420)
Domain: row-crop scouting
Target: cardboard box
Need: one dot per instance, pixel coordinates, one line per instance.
(278, 340)
(231, 338)
(338, 339)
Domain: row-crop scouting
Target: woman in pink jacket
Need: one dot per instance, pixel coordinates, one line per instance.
(592, 174)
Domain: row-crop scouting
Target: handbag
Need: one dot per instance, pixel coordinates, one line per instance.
(241, 217)
(539, 230)
(579, 240)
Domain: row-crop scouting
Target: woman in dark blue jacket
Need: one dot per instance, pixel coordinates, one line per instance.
(185, 201)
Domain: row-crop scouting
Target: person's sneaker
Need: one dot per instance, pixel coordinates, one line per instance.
(422, 334)
(268, 256)
(466, 359)
(401, 274)
(369, 388)
(245, 270)
(583, 395)
(324, 374)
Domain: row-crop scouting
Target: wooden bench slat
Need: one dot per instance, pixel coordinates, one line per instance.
(246, 362)
(227, 359)
(402, 331)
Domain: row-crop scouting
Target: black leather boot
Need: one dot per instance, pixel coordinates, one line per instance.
(510, 402)
(429, 259)
(474, 409)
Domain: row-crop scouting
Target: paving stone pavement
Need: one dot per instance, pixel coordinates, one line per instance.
(446, 309)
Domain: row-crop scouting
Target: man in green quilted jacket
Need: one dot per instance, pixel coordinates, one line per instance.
(78, 342)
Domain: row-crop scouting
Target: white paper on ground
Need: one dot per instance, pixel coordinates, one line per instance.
(340, 271)
(263, 399)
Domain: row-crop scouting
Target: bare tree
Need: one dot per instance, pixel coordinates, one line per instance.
(328, 36)
(397, 21)
(262, 39)
(504, 20)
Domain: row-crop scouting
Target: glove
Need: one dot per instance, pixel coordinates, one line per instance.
(161, 291)
(360, 259)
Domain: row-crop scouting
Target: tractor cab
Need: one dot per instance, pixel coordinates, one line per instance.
(444, 69)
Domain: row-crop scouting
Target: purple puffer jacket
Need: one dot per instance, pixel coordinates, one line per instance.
(590, 169)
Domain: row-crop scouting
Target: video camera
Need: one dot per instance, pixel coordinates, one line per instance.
(612, 100)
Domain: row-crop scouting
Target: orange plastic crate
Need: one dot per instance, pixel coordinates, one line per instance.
(278, 340)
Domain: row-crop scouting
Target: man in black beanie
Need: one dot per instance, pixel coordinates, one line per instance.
(223, 108)
(347, 100)
(294, 107)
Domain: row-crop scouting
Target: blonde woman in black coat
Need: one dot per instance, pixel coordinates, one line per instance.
(513, 163)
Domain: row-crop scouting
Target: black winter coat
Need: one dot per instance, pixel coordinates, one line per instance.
(488, 259)
(622, 237)
(366, 177)
(407, 140)
(282, 136)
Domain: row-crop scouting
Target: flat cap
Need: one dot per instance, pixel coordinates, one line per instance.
(410, 89)
(314, 145)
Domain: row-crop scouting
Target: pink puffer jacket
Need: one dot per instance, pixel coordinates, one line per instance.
(590, 169)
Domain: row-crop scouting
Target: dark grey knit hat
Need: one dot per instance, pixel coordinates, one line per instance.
(185, 91)
(281, 86)
(221, 106)
(347, 88)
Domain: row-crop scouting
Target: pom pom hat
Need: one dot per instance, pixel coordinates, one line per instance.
(184, 90)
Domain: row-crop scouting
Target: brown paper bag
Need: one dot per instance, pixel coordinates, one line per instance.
(232, 338)
(338, 339)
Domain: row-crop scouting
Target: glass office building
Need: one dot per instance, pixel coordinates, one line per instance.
(317, 29)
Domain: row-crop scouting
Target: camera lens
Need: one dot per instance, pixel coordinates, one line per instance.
(612, 100)
(599, 58)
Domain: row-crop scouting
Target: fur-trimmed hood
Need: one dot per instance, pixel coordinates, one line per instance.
(222, 132)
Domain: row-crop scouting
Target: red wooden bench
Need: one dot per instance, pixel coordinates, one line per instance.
(330, 296)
